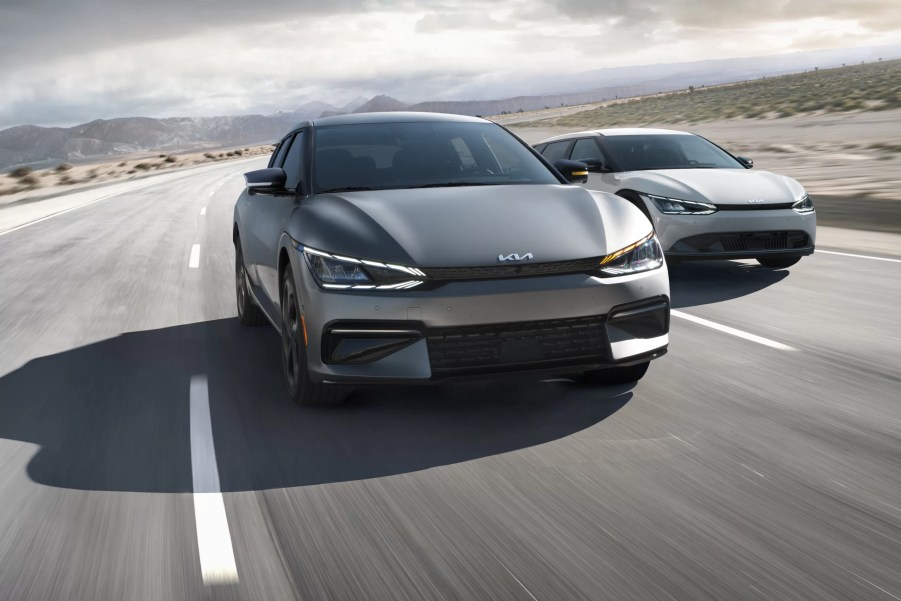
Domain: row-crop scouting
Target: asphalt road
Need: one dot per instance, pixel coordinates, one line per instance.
(739, 468)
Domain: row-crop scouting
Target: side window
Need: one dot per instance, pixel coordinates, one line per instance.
(293, 165)
(279, 154)
(540, 148)
(556, 150)
(587, 148)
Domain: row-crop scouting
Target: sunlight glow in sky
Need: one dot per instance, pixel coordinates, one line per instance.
(61, 62)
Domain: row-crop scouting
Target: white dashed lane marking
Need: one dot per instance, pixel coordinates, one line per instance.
(733, 331)
(214, 543)
(832, 252)
(203, 211)
(194, 261)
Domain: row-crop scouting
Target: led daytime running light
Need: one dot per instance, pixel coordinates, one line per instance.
(613, 256)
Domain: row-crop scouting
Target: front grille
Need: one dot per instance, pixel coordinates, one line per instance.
(504, 344)
(518, 270)
(743, 242)
(756, 207)
(740, 244)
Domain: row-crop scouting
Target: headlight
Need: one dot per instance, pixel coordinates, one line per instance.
(805, 205)
(643, 255)
(337, 272)
(671, 206)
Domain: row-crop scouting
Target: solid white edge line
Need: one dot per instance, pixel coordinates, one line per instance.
(203, 211)
(63, 211)
(832, 252)
(733, 331)
(90, 202)
(194, 261)
(214, 543)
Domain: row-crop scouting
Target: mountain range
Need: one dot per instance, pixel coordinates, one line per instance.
(35, 145)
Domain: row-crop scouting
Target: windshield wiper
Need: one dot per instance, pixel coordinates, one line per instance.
(346, 189)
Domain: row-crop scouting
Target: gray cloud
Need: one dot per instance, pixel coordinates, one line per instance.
(68, 61)
(43, 29)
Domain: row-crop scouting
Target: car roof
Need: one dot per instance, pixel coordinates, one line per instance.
(618, 131)
(391, 117)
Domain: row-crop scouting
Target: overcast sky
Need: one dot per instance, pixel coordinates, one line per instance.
(68, 61)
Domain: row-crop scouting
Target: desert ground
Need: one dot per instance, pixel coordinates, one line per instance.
(16, 187)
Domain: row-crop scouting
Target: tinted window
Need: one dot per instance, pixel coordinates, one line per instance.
(556, 150)
(381, 156)
(294, 162)
(586, 148)
(279, 155)
(667, 151)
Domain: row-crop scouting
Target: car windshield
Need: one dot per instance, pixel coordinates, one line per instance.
(382, 156)
(667, 151)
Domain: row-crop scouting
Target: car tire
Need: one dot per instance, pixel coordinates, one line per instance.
(778, 262)
(249, 314)
(617, 375)
(301, 388)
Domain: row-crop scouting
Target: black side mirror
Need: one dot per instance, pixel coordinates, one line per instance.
(595, 165)
(748, 163)
(575, 172)
(266, 181)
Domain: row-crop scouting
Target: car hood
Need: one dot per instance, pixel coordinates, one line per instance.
(468, 226)
(719, 186)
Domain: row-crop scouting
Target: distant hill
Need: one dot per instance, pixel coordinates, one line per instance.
(30, 144)
(867, 87)
(382, 103)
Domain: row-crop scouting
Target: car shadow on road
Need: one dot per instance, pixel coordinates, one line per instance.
(115, 416)
(706, 282)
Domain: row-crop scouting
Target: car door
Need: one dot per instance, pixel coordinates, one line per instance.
(587, 149)
(272, 217)
(249, 208)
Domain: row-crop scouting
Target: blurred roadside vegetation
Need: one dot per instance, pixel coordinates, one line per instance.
(872, 86)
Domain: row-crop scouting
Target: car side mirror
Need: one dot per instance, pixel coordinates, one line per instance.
(575, 172)
(266, 181)
(748, 163)
(595, 165)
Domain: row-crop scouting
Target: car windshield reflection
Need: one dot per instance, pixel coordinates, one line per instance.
(382, 156)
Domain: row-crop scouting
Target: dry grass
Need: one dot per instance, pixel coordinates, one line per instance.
(24, 182)
(866, 87)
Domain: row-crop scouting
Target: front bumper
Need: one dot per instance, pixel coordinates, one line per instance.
(729, 234)
(463, 329)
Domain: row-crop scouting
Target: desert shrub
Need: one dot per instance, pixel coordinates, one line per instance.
(20, 172)
(239, 152)
(122, 164)
(230, 153)
(221, 154)
(30, 180)
(131, 171)
(63, 167)
(162, 156)
(66, 180)
(143, 166)
(209, 155)
(171, 159)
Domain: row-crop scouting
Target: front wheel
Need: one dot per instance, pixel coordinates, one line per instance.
(778, 262)
(294, 355)
(617, 375)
